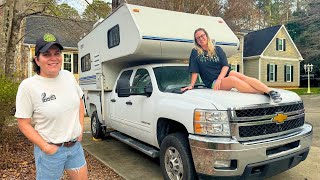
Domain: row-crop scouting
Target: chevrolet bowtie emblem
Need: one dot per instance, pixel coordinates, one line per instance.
(279, 118)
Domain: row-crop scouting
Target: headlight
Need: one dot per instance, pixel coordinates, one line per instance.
(211, 122)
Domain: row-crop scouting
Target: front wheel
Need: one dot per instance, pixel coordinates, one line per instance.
(96, 127)
(176, 159)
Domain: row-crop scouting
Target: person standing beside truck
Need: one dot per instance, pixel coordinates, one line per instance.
(52, 100)
(211, 63)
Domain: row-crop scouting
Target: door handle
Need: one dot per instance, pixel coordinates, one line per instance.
(113, 100)
(129, 103)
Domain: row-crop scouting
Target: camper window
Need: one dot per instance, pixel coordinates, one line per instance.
(113, 36)
(85, 63)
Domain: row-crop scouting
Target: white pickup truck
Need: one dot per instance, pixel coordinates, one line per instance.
(132, 68)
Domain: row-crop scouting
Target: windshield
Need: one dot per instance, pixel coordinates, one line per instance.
(173, 78)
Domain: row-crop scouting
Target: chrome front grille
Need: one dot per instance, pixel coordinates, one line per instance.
(268, 110)
(271, 128)
(254, 123)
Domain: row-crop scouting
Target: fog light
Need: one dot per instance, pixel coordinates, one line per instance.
(222, 164)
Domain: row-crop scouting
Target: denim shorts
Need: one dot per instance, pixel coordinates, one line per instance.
(53, 166)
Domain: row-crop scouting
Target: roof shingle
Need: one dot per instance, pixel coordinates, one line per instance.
(68, 31)
(256, 42)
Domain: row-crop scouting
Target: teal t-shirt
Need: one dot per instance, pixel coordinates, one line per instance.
(208, 68)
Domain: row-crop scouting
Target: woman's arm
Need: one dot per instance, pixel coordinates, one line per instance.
(81, 118)
(222, 74)
(194, 77)
(26, 128)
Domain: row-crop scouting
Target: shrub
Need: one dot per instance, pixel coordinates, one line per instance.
(8, 91)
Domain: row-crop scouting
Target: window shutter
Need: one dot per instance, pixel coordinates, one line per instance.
(284, 45)
(277, 41)
(285, 73)
(291, 73)
(238, 68)
(268, 69)
(275, 73)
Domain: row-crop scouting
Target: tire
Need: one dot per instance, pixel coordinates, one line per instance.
(175, 149)
(96, 127)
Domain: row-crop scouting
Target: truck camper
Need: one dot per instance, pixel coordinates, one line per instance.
(133, 65)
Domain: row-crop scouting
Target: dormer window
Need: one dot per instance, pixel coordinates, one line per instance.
(280, 44)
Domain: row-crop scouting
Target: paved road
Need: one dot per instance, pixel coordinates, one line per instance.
(132, 164)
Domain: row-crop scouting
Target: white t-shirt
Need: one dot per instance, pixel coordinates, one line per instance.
(53, 104)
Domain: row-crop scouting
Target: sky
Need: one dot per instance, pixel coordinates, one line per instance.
(79, 5)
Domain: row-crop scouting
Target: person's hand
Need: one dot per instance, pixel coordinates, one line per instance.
(50, 149)
(80, 138)
(217, 84)
(186, 88)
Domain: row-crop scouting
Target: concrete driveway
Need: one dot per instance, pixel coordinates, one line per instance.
(132, 164)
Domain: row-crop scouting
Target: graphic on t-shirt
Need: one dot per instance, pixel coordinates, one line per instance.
(204, 58)
(45, 99)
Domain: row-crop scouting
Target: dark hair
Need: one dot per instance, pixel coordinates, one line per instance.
(35, 66)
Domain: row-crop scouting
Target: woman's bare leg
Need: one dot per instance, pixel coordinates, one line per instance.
(255, 83)
(78, 174)
(230, 82)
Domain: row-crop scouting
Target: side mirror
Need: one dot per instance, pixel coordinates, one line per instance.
(148, 89)
(123, 88)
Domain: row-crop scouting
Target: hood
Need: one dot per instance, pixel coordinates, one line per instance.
(223, 100)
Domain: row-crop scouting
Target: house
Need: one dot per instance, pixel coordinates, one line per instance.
(271, 56)
(236, 61)
(68, 32)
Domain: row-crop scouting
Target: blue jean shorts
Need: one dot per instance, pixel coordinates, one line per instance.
(53, 166)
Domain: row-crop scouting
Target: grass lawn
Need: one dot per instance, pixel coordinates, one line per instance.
(303, 91)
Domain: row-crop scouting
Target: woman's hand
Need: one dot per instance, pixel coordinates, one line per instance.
(186, 88)
(217, 84)
(50, 149)
(80, 138)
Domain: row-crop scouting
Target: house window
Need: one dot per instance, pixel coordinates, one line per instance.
(235, 67)
(85, 63)
(67, 62)
(272, 72)
(288, 73)
(75, 63)
(113, 37)
(280, 44)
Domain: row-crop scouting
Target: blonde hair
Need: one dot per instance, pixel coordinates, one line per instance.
(211, 48)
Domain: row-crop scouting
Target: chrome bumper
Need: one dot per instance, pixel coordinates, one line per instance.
(207, 150)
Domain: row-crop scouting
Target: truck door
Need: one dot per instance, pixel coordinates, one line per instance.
(118, 107)
(140, 105)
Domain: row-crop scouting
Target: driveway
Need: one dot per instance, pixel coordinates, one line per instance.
(132, 164)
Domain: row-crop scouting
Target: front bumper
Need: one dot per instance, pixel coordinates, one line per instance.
(247, 157)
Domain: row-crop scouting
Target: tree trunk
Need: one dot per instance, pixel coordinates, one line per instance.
(9, 11)
(12, 47)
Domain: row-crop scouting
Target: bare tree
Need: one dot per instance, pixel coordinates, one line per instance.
(241, 14)
(189, 6)
(14, 12)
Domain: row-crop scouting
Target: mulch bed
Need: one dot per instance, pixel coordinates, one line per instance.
(17, 160)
